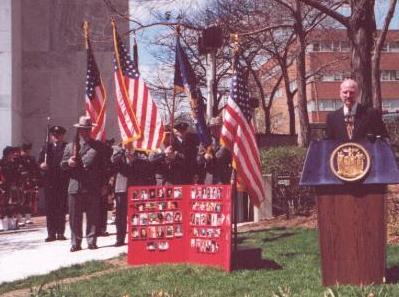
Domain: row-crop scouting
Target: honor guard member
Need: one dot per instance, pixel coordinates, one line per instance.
(12, 194)
(353, 121)
(214, 162)
(82, 160)
(176, 164)
(55, 182)
(133, 168)
(31, 180)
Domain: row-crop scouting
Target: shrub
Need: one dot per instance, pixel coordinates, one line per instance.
(285, 164)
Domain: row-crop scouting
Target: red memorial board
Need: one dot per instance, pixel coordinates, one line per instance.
(180, 224)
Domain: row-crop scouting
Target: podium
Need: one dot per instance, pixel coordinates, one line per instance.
(351, 214)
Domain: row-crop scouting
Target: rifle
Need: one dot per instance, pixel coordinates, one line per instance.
(76, 146)
(47, 140)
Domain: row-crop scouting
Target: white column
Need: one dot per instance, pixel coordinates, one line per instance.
(5, 73)
(10, 77)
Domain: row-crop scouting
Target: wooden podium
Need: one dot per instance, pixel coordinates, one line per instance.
(351, 215)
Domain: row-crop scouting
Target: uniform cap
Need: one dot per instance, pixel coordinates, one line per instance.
(57, 130)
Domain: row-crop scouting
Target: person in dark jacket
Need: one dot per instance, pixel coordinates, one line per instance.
(353, 121)
(176, 163)
(83, 162)
(55, 182)
(133, 168)
(214, 162)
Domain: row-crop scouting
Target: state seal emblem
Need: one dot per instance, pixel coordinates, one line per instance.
(350, 162)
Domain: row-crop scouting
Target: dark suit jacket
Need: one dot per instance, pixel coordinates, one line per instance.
(54, 176)
(367, 121)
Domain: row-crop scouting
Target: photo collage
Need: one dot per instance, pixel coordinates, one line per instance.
(156, 216)
(206, 218)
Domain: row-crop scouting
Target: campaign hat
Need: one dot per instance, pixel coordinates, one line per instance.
(84, 123)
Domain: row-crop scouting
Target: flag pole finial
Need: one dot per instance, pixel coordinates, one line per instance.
(236, 42)
(86, 33)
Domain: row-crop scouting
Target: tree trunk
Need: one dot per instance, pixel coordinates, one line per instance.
(268, 124)
(289, 95)
(304, 128)
(361, 35)
(376, 83)
(375, 61)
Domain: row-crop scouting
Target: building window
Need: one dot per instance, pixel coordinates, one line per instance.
(389, 75)
(293, 86)
(391, 47)
(326, 46)
(329, 104)
(311, 105)
(330, 46)
(332, 77)
(390, 105)
(278, 93)
(394, 47)
(344, 46)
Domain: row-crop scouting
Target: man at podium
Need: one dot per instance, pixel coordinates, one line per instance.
(353, 121)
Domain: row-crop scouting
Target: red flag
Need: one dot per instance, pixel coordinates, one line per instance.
(238, 135)
(139, 119)
(95, 96)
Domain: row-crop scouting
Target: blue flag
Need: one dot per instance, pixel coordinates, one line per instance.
(185, 82)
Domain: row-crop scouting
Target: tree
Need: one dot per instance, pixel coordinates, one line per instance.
(361, 31)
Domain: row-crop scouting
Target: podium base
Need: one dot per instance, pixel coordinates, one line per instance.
(352, 231)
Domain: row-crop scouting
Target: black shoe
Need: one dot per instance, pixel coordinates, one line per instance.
(75, 248)
(119, 243)
(92, 246)
(50, 239)
(61, 237)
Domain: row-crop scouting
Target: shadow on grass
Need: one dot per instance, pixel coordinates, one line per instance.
(256, 265)
(392, 275)
(250, 258)
(279, 236)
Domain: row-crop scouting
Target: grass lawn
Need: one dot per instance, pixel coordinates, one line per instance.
(291, 268)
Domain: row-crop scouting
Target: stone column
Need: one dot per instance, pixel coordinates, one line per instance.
(10, 74)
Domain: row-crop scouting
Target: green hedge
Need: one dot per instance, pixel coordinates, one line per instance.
(283, 160)
(287, 161)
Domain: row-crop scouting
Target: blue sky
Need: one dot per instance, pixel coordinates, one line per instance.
(141, 10)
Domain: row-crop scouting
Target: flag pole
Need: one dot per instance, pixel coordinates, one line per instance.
(233, 180)
(172, 116)
(86, 33)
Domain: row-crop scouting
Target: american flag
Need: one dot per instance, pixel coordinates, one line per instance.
(138, 116)
(95, 96)
(238, 135)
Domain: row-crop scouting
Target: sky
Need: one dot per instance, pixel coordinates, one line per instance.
(141, 11)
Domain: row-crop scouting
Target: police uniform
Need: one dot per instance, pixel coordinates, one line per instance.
(85, 180)
(55, 182)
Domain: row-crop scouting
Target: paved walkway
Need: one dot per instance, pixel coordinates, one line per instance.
(24, 253)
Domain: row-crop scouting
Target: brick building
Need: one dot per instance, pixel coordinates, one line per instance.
(328, 58)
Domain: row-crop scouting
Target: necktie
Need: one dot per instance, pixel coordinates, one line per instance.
(349, 124)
